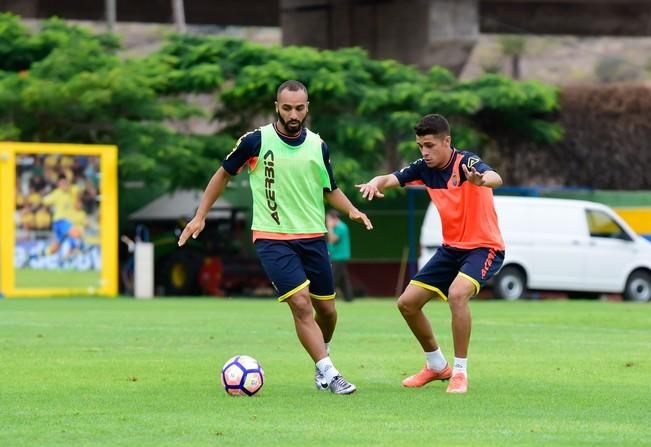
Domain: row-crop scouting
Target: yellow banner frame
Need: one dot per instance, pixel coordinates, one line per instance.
(108, 217)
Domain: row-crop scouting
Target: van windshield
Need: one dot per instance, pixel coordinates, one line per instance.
(601, 224)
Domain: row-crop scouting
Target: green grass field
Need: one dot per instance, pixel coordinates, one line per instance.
(33, 278)
(144, 373)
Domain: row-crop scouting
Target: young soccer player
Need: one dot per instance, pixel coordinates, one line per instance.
(290, 173)
(62, 199)
(460, 185)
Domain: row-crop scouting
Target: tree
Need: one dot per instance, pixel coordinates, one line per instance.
(365, 109)
(513, 46)
(65, 84)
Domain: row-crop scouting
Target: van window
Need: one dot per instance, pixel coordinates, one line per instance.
(601, 224)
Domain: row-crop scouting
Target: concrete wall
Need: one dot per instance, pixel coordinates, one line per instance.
(572, 17)
(198, 12)
(576, 17)
(419, 32)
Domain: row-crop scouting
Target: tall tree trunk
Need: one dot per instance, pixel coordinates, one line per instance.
(515, 67)
(179, 15)
(111, 14)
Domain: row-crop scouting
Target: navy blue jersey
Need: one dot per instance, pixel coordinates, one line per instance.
(418, 172)
(467, 212)
(247, 150)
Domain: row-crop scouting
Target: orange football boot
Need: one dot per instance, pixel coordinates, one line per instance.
(426, 376)
(458, 383)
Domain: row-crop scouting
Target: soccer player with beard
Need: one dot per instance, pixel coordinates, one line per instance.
(290, 174)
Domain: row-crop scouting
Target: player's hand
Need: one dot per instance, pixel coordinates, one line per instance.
(369, 190)
(193, 228)
(473, 176)
(359, 217)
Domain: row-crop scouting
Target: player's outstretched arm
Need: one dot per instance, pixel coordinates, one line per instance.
(215, 188)
(340, 202)
(490, 179)
(376, 186)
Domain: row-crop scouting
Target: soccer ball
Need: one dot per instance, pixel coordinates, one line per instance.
(242, 375)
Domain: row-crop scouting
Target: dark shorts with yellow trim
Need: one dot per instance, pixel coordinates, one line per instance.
(478, 265)
(294, 264)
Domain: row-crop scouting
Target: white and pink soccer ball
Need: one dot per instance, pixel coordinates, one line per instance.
(242, 375)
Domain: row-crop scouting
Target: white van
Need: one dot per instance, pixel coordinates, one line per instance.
(583, 248)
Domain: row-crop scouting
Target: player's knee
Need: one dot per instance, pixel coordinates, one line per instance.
(458, 299)
(302, 313)
(406, 307)
(301, 306)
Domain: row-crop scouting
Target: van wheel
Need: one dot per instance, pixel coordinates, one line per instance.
(510, 283)
(638, 287)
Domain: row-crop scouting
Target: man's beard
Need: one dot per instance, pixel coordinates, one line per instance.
(293, 127)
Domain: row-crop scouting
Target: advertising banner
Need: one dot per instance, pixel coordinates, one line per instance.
(58, 209)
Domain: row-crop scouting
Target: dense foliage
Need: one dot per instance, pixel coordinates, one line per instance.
(64, 83)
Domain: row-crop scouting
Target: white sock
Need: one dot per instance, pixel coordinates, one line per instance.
(460, 365)
(328, 348)
(435, 360)
(327, 369)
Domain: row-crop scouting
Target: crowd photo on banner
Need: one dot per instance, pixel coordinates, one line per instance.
(57, 214)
